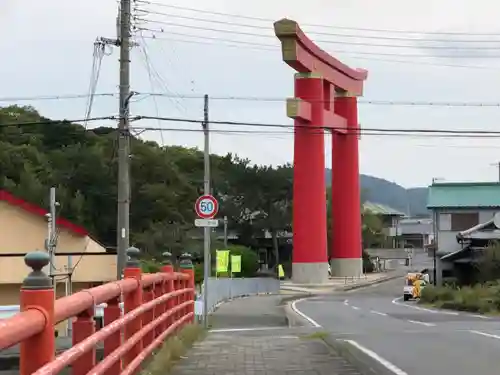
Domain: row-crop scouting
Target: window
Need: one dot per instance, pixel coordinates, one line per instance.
(464, 221)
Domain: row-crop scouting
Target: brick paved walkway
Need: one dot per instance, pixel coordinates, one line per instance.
(265, 352)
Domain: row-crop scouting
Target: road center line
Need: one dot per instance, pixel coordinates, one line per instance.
(490, 335)
(355, 307)
(378, 313)
(422, 323)
(384, 362)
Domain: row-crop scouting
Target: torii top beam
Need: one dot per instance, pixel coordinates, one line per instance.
(303, 55)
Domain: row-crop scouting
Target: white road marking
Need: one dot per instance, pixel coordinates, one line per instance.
(395, 302)
(301, 314)
(378, 313)
(490, 335)
(479, 316)
(346, 302)
(221, 330)
(384, 362)
(422, 323)
(355, 307)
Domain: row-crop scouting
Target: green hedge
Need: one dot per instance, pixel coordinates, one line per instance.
(249, 264)
(479, 298)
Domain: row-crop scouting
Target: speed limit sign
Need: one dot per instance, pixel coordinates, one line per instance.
(206, 207)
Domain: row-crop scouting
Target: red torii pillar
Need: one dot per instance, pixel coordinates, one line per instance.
(325, 97)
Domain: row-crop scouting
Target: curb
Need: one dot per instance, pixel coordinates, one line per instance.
(363, 363)
(220, 303)
(296, 320)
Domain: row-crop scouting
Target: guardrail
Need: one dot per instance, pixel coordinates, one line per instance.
(223, 289)
(155, 306)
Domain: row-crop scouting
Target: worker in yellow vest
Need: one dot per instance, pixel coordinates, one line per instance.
(417, 290)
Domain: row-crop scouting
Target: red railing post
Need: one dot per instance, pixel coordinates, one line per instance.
(148, 296)
(132, 301)
(83, 327)
(186, 266)
(164, 288)
(37, 292)
(168, 268)
(113, 312)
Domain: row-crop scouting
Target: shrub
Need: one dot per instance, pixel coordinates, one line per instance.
(478, 299)
(150, 266)
(249, 264)
(249, 260)
(367, 263)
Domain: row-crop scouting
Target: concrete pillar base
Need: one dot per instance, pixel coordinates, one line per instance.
(350, 267)
(310, 273)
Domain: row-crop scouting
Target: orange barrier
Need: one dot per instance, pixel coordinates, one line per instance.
(154, 307)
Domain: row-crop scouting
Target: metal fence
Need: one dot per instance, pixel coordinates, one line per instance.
(223, 289)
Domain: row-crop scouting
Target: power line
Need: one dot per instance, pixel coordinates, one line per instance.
(466, 133)
(361, 101)
(53, 122)
(270, 48)
(337, 35)
(396, 133)
(51, 97)
(256, 99)
(362, 130)
(262, 19)
(245, 33)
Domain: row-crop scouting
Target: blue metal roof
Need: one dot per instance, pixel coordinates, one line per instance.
(464, 195)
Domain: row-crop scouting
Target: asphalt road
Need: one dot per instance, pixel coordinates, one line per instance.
(406, 338)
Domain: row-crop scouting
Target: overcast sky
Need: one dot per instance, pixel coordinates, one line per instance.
(46, 48)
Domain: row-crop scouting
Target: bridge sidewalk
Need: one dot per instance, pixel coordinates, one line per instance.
(250, 336)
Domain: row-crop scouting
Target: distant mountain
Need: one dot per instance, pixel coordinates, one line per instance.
(377, 190)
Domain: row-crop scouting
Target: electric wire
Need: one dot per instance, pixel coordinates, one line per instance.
(480, 133)
(332, 27)
(196, 96)
(312, 32)
(97, 58)
(359, 55)
(244, 33)
(151, 83)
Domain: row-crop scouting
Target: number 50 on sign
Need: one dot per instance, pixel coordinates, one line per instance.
(206, 207)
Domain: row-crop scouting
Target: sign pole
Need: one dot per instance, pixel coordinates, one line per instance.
(206, 231)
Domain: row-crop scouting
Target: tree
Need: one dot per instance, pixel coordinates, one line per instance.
(488, 264)
(166, 181)
(371, 225)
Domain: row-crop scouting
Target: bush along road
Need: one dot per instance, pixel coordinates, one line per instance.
(480, 298)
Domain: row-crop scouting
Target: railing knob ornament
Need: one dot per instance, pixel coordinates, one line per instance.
(185, 261)
(167, 258)
(37, 279)
(133, 254)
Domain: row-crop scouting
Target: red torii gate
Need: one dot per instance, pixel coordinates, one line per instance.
(326, 93)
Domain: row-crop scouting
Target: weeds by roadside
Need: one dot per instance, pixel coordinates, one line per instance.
(481, 298)
(173, 349)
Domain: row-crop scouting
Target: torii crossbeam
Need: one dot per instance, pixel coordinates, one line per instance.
(326, 92)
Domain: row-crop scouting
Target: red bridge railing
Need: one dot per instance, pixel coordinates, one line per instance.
(155, 306)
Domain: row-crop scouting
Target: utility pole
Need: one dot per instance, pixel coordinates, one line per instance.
(123, 138)
(225, 232)
(207, 261)
(52, 232)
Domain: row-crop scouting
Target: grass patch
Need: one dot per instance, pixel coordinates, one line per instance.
(173, 349)
(320, 335)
